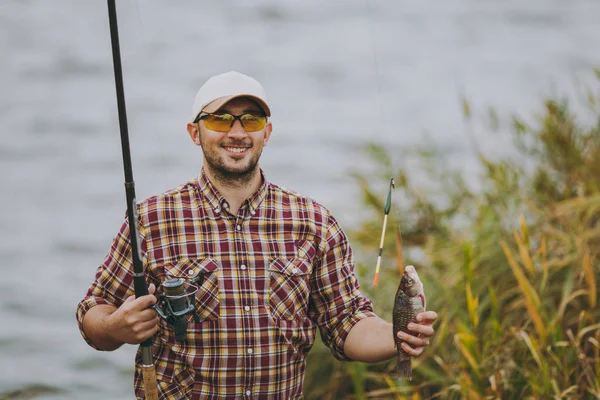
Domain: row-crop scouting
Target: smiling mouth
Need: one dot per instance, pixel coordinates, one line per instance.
(236, 150)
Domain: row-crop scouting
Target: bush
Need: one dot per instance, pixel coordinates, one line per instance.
(511, 268)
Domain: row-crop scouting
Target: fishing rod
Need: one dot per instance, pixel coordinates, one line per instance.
(140, 288)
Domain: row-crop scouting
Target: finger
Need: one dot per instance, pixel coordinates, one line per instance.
(151, 288)
(129, 299)
(145, 334)
(412, 351)
(144, 302)
(427, 317)
(152, 330)
(419, 329)
(146, 326)
(147, 315)
(414, 341)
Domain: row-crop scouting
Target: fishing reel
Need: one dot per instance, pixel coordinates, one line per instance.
(176, 302)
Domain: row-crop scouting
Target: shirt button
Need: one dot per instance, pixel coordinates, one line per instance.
(249, 351)
(217, 210)
(252, 212)
(225, 205)
(248, 393)
(238, 227)
(191, 272)
(242, 267)
(295, 270)
(247, 308)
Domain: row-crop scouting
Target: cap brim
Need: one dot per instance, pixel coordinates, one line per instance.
(215, 105)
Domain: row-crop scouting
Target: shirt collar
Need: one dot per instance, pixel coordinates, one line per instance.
(217, 201)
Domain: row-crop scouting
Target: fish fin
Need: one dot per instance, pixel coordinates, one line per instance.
(405, 369)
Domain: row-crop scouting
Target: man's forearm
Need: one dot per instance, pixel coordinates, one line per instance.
(95, 327)
(370, 340)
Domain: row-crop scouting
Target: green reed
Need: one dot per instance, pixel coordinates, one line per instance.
(510, 261)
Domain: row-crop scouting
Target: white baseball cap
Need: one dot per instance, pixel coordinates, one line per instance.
(222, 88)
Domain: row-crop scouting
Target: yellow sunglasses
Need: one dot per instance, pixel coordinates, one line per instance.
(224, 121)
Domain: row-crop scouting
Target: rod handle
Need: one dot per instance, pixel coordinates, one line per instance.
(150, 384)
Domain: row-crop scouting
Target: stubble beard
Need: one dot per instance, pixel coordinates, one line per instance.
(241, 176)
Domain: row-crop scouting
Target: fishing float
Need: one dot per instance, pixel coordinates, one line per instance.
(388, 205)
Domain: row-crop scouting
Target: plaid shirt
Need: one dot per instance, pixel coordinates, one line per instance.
(273, 273)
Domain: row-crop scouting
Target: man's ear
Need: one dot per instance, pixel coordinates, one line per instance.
(194, 131)
(268, 130)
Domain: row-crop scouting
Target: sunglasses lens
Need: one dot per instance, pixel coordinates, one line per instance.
(218, 122)
(253, 123)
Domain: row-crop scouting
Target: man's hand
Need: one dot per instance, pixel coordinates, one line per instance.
(423, 329)
(134, 321)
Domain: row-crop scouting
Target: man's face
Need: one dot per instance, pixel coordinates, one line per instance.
(232, 154)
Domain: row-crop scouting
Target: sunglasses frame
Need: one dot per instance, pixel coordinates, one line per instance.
(235, 118)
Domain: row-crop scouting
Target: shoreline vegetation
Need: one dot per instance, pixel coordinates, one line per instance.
(512, 268)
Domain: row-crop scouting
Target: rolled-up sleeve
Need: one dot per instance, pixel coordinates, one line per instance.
(336, 302)
(114, 279)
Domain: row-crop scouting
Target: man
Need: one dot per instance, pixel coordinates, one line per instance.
(274, 265)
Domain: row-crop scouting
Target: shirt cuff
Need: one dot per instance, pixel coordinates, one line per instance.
(82, 308)
(344, 329)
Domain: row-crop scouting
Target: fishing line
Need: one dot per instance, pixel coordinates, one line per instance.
(137, 6)
(384, 125)
(398, 233)
(378, 86)
(161, 154)
(375, 61)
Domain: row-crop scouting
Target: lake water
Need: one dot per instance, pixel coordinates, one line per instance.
(338, 74)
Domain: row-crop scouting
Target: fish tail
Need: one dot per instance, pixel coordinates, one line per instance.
(405, 369)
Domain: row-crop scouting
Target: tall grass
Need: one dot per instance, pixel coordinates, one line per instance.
(512, 268)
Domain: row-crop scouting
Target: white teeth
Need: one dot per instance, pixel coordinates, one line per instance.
(235, 149)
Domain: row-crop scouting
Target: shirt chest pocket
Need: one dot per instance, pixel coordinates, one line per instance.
(204, 274)
(289, 290)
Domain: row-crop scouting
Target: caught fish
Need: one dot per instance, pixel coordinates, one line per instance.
(409, 301)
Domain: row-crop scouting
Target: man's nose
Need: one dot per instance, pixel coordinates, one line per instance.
(237, 130)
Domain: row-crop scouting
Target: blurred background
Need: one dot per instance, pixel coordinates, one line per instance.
(338, 74)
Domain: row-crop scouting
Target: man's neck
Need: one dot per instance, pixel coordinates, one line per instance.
(235, 191)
